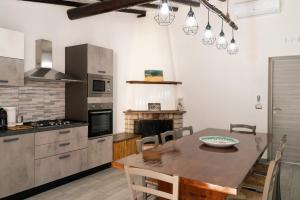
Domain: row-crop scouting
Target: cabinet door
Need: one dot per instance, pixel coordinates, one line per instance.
(100, 60)
(100, 151)
(12, 44)
(11, 72)
(60, 166)
(16, 164)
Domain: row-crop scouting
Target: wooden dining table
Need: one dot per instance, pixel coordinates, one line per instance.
(206, 173)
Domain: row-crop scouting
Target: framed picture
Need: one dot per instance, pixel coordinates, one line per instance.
(154, 107)
(154, 75)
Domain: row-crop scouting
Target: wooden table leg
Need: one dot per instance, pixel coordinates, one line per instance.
(187, 192)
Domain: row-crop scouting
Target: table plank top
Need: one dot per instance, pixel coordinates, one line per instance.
(205, 167)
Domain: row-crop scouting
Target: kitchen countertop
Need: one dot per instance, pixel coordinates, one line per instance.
(36, 130)
(119, 137)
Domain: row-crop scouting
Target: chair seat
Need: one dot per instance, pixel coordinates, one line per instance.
(148, 146)
(244, 194)
(261, 168)
(255, 182)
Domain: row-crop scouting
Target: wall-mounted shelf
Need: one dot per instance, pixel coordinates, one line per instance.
(155, 82)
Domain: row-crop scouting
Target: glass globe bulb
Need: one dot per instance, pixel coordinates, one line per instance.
(164, 10)
(222, 42)
(191, 25)
(232, 48)
(191, 21)
(208, 37)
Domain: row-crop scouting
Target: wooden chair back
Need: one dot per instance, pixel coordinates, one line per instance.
(270, 187)
(134, 188)
(242, 128)
(187, 128)
(165, 137)
(146, 140)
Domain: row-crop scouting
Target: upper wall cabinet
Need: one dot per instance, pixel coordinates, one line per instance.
(12, 44)
(100, 60)
(11, 58)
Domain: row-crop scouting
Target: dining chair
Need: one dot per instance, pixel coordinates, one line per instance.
(256, 181)
(188, 129)
(147, 143)
(269, 191)
(242, 128)
(262, 167)
(169, 135)
(135, 188)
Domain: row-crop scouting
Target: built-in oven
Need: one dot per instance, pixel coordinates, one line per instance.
(100, 120)
(100, 85)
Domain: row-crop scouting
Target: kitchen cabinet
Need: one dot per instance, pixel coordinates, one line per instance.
(16, 164)
(124, 148)
(61, 135)
(12, 44)
(60, 166)
(100, 151)
(60, 153)
(100, 60)
(11, 72)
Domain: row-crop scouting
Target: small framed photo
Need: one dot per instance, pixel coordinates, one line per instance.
(154, 107)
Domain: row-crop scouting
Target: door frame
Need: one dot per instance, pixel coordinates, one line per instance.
(270, 95)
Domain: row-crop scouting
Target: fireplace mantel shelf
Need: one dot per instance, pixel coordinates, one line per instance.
(155, 112)
(155, 82)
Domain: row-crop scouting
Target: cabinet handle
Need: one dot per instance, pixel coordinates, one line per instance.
(64, 144)
(64, 157)
(3, 81)
(102, 140)
(64, 132)
(11, 140)
(102, 72)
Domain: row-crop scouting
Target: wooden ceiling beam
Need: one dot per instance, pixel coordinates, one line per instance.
(140, 13)
(58, 2)
(223, 16)
(102, 7)
(194, 3)
(156, 6)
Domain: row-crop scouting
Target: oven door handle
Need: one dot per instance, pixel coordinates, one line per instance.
(100, 112)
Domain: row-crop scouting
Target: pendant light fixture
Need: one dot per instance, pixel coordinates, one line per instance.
(208, 37)
(165, 15)
(191, 25)
(232, 47)
(222, 42)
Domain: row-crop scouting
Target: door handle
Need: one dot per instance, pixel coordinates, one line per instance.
(102, 72)
(10, 140)
(64, 144)
(64, 132)
(3, 81)
(102, 140)
(64, 157)
(277, 109)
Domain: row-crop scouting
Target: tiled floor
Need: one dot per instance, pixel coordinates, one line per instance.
(111, 185)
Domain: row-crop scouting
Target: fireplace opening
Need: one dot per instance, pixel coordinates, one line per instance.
(147, 128)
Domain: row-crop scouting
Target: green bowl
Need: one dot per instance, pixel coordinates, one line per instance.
(219, 141)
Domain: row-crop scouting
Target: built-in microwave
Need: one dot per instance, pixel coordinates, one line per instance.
(100, 85)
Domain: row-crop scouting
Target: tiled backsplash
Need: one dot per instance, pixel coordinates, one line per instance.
(36, 100)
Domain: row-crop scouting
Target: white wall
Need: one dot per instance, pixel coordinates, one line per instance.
(138, 44)
(220, 89)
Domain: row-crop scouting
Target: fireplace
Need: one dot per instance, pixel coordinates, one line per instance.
(147, 128)
(148, 123)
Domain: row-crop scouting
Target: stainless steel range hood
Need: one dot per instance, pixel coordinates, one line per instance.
(44, 71)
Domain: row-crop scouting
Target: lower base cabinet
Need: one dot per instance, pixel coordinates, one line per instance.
(60, 166)
(16, 164)
(100, 151)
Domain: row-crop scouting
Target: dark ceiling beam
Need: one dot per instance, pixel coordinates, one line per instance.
(140, 13)
(225, 17)
(156, 6)
(194, 3)
(102, 7)
(58, 2)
